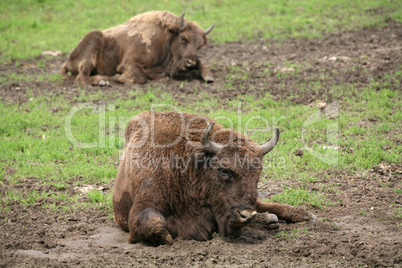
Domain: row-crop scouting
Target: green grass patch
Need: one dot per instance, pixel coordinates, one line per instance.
(34, 197)
(27, 198)
(102, 200)
(299, 196)
(295, 233)
(397, 190)
(398, 213)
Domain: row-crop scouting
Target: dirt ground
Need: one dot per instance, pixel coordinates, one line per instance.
(363, 230)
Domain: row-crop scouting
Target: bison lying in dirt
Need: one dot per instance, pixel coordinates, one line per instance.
(181, 175)
(148, 46)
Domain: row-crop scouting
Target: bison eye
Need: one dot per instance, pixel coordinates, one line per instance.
(184, 40)
(224, 173)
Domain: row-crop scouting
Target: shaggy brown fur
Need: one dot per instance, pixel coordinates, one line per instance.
(169, 185)
(147, 46)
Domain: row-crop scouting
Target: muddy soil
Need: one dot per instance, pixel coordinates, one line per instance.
(361, 229)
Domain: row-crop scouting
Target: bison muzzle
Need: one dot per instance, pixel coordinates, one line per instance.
(183, 176)
(148, 46)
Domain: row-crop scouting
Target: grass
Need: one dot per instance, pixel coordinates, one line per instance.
(81, 144)
(47, 199)
(297, 197)
(295, 233)
(36, 142)
(22, 32)
(102, 200)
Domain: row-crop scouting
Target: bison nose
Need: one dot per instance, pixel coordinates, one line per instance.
(190, 62)
(245, 215)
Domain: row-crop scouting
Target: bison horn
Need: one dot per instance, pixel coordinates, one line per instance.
(209, 145)
(271, 144)
(182, 23)
(207, 31)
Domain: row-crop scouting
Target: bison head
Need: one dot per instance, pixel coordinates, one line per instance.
(230, 168)
(189, 40)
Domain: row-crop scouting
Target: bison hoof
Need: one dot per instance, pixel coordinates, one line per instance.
(103, 83)
(300, 215)
(209, 79)
(265, 221)
(312, 217)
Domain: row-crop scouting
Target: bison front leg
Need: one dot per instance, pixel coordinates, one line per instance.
(130, 72)
(206, 73)
(148, 225)
(286, 212)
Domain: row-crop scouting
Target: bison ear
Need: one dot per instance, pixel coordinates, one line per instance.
(182, 23)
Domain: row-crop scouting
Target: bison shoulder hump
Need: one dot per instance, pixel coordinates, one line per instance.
(165, 18)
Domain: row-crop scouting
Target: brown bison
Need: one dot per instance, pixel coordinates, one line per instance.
(148, 46)
(181, 175)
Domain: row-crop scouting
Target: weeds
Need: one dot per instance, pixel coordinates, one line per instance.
(295, 233)
(101, 200)
(297, 197)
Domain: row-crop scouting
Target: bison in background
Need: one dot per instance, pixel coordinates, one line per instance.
(183, 176)
(148, 46)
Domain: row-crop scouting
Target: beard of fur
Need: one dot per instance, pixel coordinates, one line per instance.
(225, 229)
